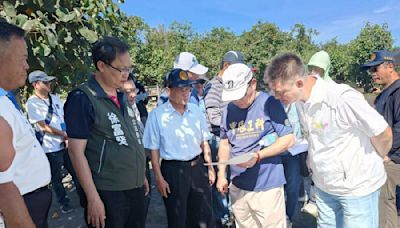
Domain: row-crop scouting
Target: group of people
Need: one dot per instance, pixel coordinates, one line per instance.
(222, 151)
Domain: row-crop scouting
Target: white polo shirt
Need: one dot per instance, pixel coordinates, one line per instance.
(30, 168)
(338, 123)
(37, 109)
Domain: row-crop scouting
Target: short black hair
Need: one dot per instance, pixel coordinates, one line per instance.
(7, 31)
(284, 67)
(106, 50)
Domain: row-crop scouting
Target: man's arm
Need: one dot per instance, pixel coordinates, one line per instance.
(51, 130)
(281, 145)
(223, 156)
(12, 204)
(213, 102)
(96, 211)
(383, 142)
(162, 185)
(207, 159)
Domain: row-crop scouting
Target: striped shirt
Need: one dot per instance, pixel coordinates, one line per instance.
(214, 104)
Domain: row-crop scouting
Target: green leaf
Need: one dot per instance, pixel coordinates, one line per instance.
(51, 38)
(21, 19)
(65, 17)
(68, 38)
(9, 9)
(89, 35)
(44, 50)
(29, 25)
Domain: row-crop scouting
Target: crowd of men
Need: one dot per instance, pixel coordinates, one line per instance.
(223, 152)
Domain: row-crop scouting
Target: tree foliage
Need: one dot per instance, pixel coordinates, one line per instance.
(60, 34)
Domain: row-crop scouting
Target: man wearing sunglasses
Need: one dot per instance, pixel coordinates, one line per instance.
(347, 141)
(45, 112)
(105, 147)
(382, 67)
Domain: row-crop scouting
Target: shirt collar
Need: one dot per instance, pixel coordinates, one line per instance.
(318, 92)
(170, 109)
(2, 92)
(99, 92)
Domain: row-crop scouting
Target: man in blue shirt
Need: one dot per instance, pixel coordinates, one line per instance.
(177, 132)
(254, 122)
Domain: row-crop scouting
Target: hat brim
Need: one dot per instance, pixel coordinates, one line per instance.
(44, 79)
(49, 78)
(198, 69)
(182, 84)
(371, 64)
(233, 95)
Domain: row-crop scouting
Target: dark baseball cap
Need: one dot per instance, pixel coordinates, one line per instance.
(178, 78)
(378, 57)
(233, 57)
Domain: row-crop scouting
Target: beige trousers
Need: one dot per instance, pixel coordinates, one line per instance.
(258, 209)
(387, 199)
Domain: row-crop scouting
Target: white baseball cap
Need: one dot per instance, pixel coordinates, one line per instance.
(188, 62)
(235, 81)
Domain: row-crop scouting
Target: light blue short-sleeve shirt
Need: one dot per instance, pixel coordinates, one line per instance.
(178, 137)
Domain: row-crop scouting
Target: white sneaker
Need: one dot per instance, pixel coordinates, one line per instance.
(310, 208)
(2, 225)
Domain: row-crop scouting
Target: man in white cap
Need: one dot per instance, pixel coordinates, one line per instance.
(253, 123)
(189, 63)
(214, 108)
(45, 112)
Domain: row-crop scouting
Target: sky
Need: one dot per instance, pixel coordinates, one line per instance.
(340, 19)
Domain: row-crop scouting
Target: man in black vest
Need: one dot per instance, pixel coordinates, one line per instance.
(105, 146)
(382, 67)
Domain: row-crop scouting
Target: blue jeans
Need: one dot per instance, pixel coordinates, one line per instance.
(56, 160)
(291, 166)
(345, 211)
(221, 203)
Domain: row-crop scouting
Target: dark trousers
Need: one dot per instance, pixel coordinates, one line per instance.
(189, 203)
(221, 202)
(38, 204)
(291, 165)
(148, 197)
(56, 160)
(124, 209)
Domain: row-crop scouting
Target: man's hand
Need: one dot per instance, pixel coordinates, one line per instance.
(386, 159)
(162, 186)
(96, 213)
(146, 186)
(249, 164)
(211, 175)
(222, 184)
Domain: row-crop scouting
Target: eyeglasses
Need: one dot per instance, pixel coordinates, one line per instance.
(46, 82)
(124, 70)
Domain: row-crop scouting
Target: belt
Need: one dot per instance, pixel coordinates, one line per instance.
(194, 161)
(41, 189)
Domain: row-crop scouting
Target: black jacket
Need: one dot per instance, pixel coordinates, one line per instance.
(391, 113)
